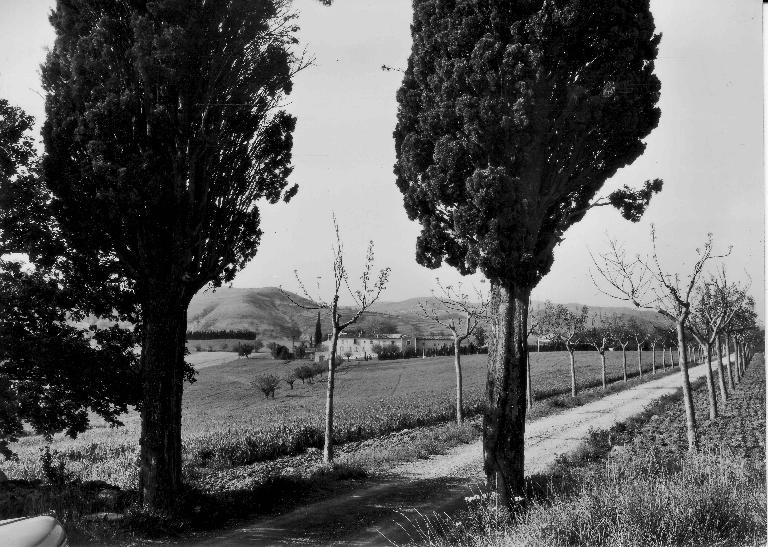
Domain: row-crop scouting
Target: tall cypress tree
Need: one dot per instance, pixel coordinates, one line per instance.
(512, 115)
(163, 132)
(318, 332)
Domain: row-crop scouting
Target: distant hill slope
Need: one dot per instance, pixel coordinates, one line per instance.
(272, 316)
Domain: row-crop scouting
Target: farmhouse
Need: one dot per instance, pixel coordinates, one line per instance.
(361, 346)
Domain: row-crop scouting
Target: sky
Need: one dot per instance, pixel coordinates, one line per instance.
(707, 148)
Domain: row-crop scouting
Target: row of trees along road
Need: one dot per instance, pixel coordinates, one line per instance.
(512, 115)
(163, 132)
(700, 306)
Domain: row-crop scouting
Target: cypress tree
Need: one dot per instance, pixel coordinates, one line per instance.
(512, 115)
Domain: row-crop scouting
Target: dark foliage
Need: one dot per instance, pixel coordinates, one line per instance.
(221, 334)
(53, 370)
(512, 116)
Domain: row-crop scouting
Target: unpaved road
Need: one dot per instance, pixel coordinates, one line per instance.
(378, 514)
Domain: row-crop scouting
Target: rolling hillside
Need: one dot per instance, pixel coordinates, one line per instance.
(272, 316)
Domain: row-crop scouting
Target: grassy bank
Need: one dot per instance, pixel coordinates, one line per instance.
(637, 485)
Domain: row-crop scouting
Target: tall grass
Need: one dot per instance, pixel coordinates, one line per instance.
(708, 498)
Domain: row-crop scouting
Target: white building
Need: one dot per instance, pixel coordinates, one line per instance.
(360, 346)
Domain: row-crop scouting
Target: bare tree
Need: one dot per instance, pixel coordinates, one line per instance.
(599, 337)
(744, 320)
(640, 334)
(645, 283)
(444, 308)
(534, 328)
(655, 337)
(621, 334)
(704, 325)
(731, 297)
(369, 292)
(560, 323)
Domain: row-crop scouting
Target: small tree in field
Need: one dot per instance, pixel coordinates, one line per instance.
(561, 324)
(646, 284)
(621, 334)
(447, 303)
(534, 328)
(656, 337)
(257, 345)
(599, 337)
(267, 384)
(704, 325)
(640, 334)
(369, 292)
(244, 350)
(290, 379)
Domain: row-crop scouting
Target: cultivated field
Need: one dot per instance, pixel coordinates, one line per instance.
(227, 423)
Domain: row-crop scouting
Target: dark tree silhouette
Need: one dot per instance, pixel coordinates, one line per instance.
(318, 332)
(163, 132)
(512, 115)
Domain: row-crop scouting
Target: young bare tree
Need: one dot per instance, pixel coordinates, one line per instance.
(622, 335)
(731, 297)
(743, 321)
(655, 337)
(448, 303)
(363, 298)
(599, 337)
(704, 325)
(560, 323)
(645, 283)
(534, 328)
(640, 334)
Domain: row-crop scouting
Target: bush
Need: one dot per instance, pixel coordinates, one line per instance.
(318, 368)
(280, 352)
(198, 347)
(290, 379)
(244, 350)
(257, 345)
(267, 384)
(304, 373)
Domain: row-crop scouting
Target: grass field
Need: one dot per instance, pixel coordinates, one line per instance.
(227, 423)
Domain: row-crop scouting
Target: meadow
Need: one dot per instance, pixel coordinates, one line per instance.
(227, 423)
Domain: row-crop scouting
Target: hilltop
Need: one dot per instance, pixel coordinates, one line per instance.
(269, 313)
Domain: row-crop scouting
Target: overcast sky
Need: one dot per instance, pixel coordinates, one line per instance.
(707, 148)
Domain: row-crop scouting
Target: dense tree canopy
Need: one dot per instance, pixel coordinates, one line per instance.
(164, 131)
(512, 116)
(53, 369)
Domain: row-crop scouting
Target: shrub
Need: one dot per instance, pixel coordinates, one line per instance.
(257, 345)
(54, 468)
(290, 379)
(280, 352)
(304, 373)
(318, 368)
(244, 350)
(267, 384)
(198, 347)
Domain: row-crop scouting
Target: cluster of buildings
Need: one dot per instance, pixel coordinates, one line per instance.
(361, 346)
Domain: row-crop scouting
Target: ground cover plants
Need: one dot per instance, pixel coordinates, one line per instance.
(637, 484)
(228, 423)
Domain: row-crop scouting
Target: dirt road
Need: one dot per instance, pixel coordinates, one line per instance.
(377, 515)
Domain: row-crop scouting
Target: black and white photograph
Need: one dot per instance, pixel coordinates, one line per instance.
(477, 273)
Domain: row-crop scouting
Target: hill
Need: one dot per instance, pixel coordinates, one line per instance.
(269, 313)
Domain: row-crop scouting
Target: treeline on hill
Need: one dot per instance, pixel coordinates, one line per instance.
(221, 334)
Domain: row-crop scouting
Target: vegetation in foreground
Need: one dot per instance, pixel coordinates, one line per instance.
(220, 494)
(637, 485)
(228, 423)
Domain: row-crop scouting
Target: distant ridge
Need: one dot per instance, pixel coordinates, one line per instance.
(269, 313)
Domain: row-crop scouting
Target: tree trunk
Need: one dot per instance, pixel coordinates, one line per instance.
(710, 385)
(573, 371)
(640, 360)
(528, 383)
(690, 417)
(459, 401)
(653, 358)
(504, 418)
(671, 358)
(602, 364)
(738, 360)
(164, 319)
(328, 445)
(721, 370)
(731, 383)
(624, 360)
(664, 357)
